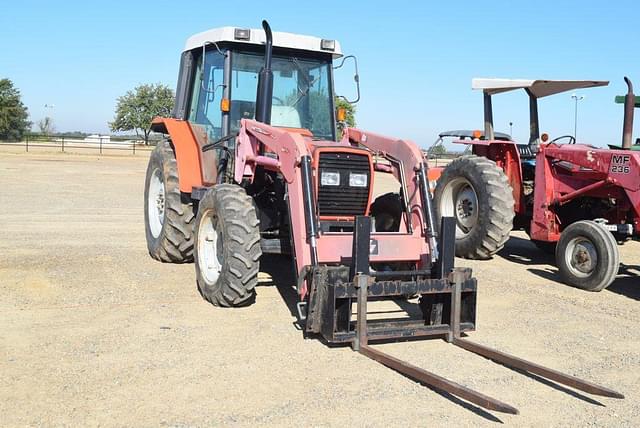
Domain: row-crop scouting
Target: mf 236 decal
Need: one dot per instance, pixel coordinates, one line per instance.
(620, 164)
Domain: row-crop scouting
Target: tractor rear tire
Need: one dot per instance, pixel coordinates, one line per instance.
(476, 192)
(227, 249)
(587, 256)
(168, 220)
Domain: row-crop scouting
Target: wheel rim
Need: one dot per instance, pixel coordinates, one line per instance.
(155, 203)
(459, 200)
(209, 249)
(581, 257)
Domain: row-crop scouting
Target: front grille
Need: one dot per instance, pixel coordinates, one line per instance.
(343, 200)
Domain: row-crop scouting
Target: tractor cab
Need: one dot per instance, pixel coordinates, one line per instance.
(218, 82)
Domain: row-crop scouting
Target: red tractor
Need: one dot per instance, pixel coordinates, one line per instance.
(254, 165)
(572, 199)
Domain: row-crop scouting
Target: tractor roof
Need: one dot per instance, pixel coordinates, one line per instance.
(470, 134)
(539, 88)
(255, 36)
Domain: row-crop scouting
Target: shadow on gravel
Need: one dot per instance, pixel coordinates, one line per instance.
(281, 270)
(524, 252)
(557, 386)
(464, 404)
(628, 282)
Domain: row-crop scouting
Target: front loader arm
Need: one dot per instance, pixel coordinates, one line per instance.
(288, 146)
(405, 152)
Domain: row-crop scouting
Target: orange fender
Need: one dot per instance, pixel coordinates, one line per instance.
(188, 155)
(434, 173)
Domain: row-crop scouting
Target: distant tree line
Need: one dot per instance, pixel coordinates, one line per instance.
(14, 116)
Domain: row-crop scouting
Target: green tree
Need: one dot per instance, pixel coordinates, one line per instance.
(46, 126)
(350, 116)
(13, 114)
(136, 108)
(438, 149)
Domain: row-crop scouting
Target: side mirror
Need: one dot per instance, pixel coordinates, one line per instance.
(356, 77)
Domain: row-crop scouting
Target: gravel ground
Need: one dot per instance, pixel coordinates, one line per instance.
(94, 332)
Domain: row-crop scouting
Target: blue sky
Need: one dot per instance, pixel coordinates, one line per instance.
(416, 58)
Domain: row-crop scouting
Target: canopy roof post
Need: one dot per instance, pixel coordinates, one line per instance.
(534, 123)
(488, 117)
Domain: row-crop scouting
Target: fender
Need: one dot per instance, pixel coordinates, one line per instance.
(505, 154)
(188, 155)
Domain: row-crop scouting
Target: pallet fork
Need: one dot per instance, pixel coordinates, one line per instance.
(457, 277)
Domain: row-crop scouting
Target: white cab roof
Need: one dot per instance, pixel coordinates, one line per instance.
(257, 37)
(539, 88)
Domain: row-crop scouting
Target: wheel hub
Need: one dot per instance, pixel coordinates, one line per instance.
(155, 203)
(583, 257)
(210, 249)
(460, 201)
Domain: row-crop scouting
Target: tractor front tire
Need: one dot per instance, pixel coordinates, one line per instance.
(386, 211)
(587, 256)
(477, 193)
(227, 249)
(168, 220)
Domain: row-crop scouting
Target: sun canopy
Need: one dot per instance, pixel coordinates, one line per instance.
(470, 134)
(539, 88)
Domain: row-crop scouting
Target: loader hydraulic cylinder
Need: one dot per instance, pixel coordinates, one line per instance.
(429, 213)
(309, 207)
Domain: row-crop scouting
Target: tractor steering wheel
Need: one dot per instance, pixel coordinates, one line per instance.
(279, 100)
(571, 138)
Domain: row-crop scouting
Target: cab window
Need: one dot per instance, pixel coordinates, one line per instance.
(207, 92)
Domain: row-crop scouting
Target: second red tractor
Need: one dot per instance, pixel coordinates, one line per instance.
(573, 199)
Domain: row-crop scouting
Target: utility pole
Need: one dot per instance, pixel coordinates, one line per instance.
(575, 119)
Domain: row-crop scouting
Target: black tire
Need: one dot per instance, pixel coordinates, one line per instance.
(227, 217)
(587, 256)
(171, 240)
(387, 212)
(481, 230)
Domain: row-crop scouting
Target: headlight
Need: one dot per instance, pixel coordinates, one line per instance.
(329, 178)
(357, 180)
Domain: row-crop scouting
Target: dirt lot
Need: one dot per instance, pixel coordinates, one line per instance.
(94, 332)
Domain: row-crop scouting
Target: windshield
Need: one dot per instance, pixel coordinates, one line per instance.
(301, 92)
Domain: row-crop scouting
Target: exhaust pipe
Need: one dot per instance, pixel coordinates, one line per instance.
(627, 127)
(265, 80)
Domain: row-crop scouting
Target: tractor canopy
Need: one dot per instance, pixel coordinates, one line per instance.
(537, 88)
